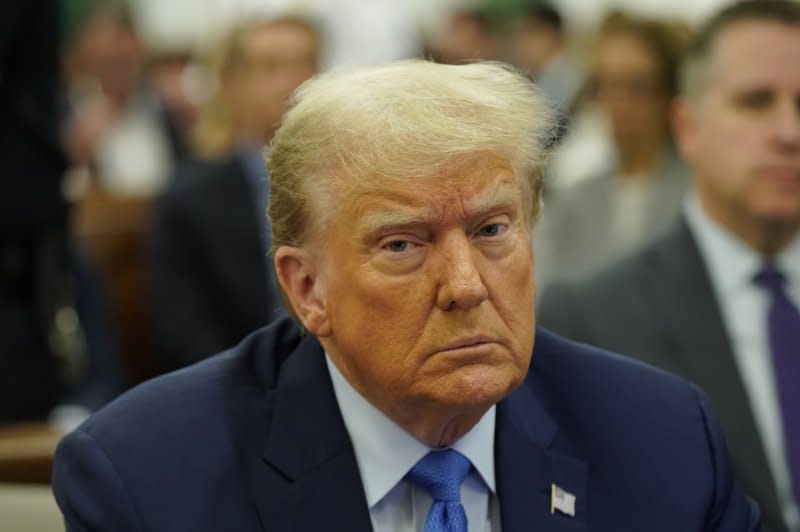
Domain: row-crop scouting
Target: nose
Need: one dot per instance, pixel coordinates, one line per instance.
(461, 285)
(787, 126)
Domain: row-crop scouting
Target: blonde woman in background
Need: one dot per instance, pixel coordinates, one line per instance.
(632, 81)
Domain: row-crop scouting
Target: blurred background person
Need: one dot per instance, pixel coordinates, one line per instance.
(119, 129)
(538, 45)
(125, 134)
(468, 34)
(633, 80)
(212, 280)
(57, 344)
(716, 299)
(34, 266)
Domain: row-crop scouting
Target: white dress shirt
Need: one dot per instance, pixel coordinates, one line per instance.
(385, 453)
(744, 306)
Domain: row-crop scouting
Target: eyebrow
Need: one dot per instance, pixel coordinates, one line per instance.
(387, 221)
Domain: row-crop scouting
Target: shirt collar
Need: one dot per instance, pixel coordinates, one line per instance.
(788, 261)
(731, 262)
(385, 452)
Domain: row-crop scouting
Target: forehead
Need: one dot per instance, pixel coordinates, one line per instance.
(625, 45)
(464, 189)
(278, 38)
(757, 52)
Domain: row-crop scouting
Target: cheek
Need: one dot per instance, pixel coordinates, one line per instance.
(513, 289)
(379, 311)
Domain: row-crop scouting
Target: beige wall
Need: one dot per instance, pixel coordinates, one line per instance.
(28, 508)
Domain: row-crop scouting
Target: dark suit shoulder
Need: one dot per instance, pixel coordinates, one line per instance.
(564, 364)
(599, 397)
(205, 393)
(640, 428)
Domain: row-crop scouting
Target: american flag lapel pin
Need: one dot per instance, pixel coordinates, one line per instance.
(561, 500)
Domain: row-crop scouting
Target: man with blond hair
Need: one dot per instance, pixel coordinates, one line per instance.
(406, 393)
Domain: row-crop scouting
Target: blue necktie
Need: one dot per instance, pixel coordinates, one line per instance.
(442, 473)
(784, 340)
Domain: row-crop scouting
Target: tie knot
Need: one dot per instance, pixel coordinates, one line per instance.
(771, 278)
(441, 473)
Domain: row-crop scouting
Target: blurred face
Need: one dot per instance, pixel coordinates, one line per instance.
(464, 40)
(742, 134)
(630, 88)
(112, 53)
(427, 290)
(533, 46)
(278, 57)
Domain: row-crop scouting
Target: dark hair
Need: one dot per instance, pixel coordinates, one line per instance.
(544, 15)
(695, 63)
(666, 41)
(119, 12)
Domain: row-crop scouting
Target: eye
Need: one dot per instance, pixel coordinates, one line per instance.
(398, 246)
(755, 100)
(492, 230)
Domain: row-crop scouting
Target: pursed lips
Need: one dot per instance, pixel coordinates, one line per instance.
(468, 342)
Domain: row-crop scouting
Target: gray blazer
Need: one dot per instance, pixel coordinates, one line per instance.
(574, 237)
(658, 306)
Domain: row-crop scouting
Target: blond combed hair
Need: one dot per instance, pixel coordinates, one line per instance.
(395, 123)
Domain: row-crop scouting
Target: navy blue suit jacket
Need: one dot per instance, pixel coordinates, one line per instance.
(253, 440)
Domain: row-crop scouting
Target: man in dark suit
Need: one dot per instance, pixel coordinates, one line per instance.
(212, 281)
(402, 200)
(699, 302)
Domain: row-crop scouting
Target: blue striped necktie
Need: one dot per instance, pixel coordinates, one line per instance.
(442, 473)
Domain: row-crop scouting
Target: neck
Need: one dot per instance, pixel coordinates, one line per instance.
(767, 237)
(440, 431)
(642, 159)
(250, 136)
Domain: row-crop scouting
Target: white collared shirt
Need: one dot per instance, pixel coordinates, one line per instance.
(744, 306)
(385, 453)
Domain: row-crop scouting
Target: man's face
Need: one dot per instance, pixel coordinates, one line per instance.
(278, 57)
(742, 133)
(428, 290)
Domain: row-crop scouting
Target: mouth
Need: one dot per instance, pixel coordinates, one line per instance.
(783, 175)
(471, 341)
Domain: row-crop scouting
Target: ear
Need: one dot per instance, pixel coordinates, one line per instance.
(683, 127)
(298, 275)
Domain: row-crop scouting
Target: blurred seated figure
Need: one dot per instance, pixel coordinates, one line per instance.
(55, 346)
(633, 81)
(468, 35)
(538, 47)
(212, 281)
(33, 212)
(120, 129)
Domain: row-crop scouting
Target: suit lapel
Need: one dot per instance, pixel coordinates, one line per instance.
(309, 477)
(305, 475)
(527, 464)
(692, 318)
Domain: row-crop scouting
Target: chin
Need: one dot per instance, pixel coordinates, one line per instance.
(781, 215)
(477, 386)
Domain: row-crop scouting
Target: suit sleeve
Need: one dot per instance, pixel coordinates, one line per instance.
(89, 490)
(732, 511)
